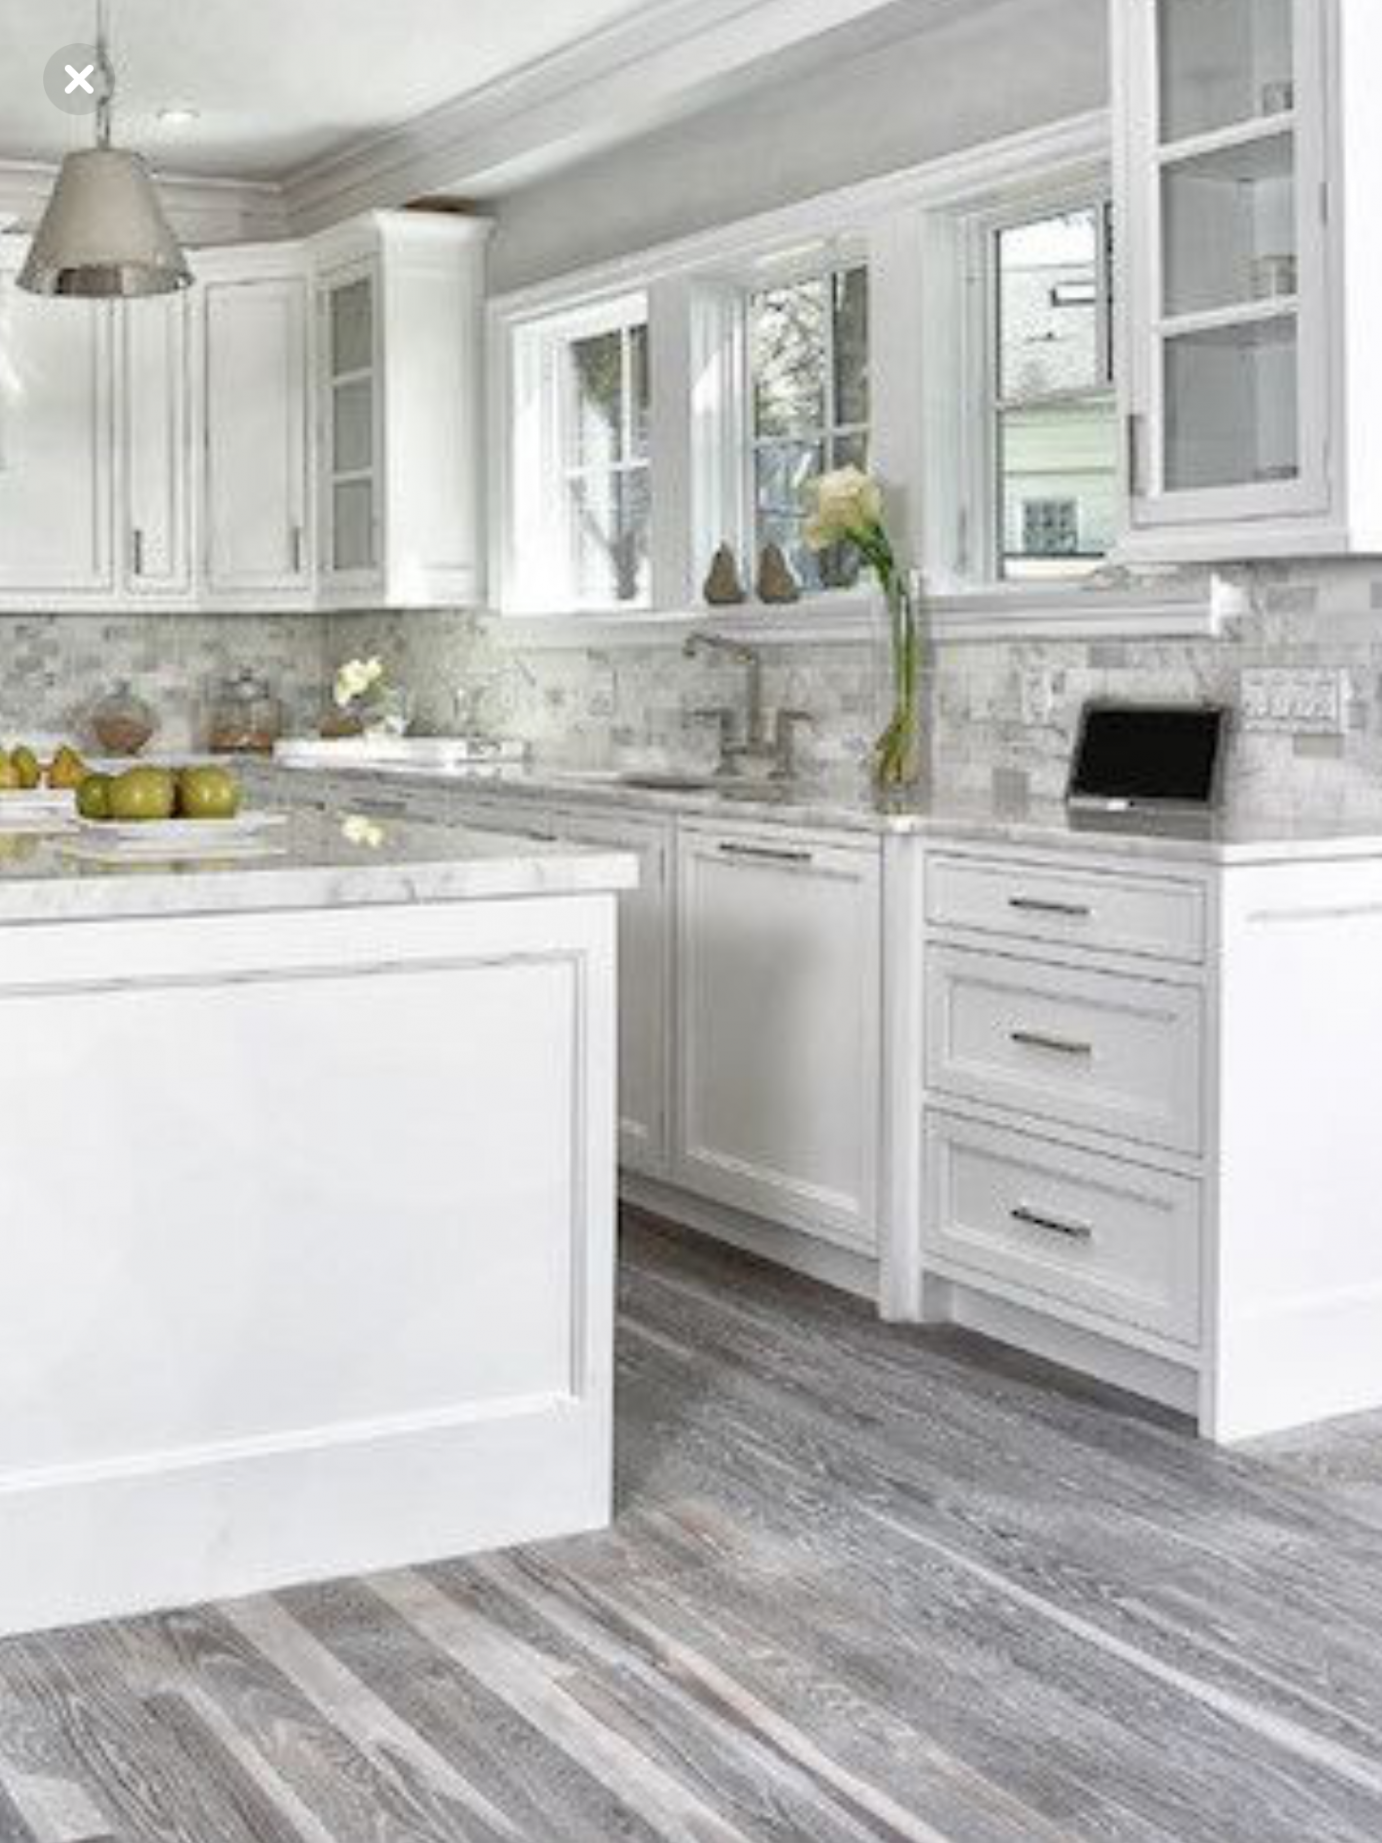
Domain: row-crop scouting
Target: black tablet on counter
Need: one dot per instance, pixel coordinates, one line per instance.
(1148, 758)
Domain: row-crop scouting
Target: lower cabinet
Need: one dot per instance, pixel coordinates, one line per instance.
(645, 980)
(778, 1055)
(644, 955)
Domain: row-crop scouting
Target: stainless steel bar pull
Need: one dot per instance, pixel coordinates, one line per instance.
(1059, 1046)
(1037, 905)
(765, 854)
(1067, 1226)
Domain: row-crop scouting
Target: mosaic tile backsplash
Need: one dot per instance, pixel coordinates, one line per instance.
(54, 668)
(636, 704)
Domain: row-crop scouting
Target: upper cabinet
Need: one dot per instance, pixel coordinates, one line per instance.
(400, 301)
(57, 446)
(301, 429)
(154, 417)
(1245, 366)
(257, 498)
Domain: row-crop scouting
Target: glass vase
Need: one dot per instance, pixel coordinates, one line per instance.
(898, 761)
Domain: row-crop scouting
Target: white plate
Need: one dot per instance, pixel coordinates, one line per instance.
(37, 800)
(162, 835)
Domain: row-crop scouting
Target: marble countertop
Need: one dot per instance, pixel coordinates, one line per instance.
(1225, 839)
(319, 860)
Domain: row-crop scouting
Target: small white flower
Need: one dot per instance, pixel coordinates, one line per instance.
(355, 678)
(847, 504)
(356, 829)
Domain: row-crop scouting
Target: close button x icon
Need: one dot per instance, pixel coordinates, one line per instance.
(80, 80)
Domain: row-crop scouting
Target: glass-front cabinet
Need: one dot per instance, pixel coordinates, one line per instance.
(400, 328)
(1224, 265)
(351, 444)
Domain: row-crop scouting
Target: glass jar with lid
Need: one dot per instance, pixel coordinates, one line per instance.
(246, 717)
(123, 723)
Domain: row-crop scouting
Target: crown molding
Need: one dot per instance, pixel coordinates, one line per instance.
(641, 71)
(201, 211)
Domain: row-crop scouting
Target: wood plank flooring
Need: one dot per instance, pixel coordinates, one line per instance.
(866, 1583)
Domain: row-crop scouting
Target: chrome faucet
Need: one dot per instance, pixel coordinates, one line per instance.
(757, 753)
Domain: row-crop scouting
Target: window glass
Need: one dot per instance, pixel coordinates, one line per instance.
(809, 354)
(607, 473)
(1055, 442)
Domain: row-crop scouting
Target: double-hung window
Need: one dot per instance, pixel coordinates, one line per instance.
(605, 474)
(1051, 457)
(579, 523)
(808, 349)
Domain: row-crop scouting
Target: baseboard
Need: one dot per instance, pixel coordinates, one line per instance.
(1173, 1385)
(817, 1260)
(106, 1541)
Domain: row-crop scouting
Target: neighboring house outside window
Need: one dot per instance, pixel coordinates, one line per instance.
(1055, 415)
(809, 365)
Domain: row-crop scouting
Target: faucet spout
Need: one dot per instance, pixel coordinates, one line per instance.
(696, 644)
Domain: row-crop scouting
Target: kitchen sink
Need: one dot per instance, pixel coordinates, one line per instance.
(670, 783)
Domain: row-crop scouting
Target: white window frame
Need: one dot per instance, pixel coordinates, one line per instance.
(538, 563)
(840, 258)
(981, 544)
(912, 226)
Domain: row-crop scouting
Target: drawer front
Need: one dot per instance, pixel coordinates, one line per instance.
(1108, 1238)
(1159, 918)
(1095, 1050)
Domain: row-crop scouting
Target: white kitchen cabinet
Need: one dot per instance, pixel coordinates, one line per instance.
(1244, 134)
(257, 496)
(400, 320)
(56, 445)
(778, 1077)
(645, 982)
(155, 420)
(645, 951)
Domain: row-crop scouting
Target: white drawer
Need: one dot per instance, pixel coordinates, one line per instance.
(1131, 915)
(1115, 1055)
(1112, 1239)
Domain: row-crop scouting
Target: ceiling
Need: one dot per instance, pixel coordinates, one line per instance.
(278, 84)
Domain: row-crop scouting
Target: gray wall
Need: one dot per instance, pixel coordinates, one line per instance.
(990, 69)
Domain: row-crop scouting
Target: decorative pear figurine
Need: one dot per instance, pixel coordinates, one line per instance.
(723, 589)
(777, 584)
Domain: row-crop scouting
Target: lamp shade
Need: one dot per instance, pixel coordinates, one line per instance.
(104, 234)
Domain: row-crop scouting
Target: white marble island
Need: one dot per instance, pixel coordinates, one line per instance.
(308, 1198)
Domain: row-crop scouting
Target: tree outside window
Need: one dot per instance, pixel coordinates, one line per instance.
(809, 360)
(606, 469)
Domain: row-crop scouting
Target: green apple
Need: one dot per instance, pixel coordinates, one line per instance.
(142, 793)
(93, 797)
(10, 781)
(208, 793)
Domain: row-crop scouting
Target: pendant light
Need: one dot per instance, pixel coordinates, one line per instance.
(104, 235)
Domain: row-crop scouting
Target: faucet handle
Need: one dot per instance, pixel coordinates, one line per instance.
(725, 716)
(785, 726)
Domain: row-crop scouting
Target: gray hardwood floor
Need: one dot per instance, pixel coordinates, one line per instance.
(865, 1583)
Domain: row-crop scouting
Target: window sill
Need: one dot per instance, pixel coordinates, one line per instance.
(1164, 611)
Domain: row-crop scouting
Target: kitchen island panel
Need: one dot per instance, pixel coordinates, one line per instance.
(316, 1265)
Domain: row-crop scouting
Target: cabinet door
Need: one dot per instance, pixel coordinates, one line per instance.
(156, 403)
(645, 1021)
(257, 493)
(779, 1024)
(1224, 272)
(645, 952)
(56, 445)
(350, 434)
